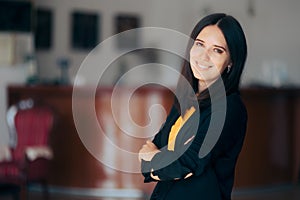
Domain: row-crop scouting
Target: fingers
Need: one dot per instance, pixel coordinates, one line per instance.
(148, 150)
(151, 144)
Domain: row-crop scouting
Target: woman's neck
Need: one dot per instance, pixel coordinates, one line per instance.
(202, 86)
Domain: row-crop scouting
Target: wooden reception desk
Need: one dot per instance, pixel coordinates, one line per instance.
(270, 155)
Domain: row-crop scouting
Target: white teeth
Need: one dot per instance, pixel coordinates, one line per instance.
(203, 67)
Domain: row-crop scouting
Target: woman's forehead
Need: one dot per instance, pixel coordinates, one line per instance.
(212, 34)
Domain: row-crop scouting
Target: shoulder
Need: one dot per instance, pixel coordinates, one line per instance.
(236, 113)
(232, 106)
(235, 124)
(235, 104)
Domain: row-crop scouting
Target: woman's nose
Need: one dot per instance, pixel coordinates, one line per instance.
(204, 55)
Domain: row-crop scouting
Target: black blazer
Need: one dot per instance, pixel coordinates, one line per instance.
(212, 174)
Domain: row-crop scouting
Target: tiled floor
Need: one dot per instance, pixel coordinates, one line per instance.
(269, 193)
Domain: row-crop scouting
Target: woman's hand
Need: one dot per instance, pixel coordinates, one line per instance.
(148, 150)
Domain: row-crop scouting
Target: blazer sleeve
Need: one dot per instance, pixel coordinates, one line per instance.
(178, 164)
(184, 160)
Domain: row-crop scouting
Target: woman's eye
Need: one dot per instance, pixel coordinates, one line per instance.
(219, 51)
(199, 44)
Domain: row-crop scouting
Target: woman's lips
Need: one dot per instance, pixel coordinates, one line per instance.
(203, 67)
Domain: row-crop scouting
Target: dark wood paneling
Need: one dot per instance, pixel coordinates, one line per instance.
(73, 165)
(270, 155)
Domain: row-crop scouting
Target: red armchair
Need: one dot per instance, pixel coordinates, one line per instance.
(27, 160)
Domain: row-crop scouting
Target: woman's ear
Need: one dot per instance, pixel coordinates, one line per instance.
(229, 67)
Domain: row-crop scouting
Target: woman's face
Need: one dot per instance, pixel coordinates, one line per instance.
(209, 55)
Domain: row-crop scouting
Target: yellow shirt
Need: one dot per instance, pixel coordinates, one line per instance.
(172, 137)
(177, 126)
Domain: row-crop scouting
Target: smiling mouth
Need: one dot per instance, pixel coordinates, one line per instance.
(204, 67)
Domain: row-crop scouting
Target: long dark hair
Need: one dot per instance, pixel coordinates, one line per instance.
(236, 42)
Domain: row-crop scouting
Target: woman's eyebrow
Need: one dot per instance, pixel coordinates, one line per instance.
(199, 40)
(218, 46)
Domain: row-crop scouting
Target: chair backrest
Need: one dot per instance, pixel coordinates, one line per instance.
(30, 125)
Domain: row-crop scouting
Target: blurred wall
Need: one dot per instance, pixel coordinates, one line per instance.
(272, 29)
(14, 47)
(271, 26)
(8, 75)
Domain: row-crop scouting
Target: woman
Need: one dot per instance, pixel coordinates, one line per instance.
(189, 157)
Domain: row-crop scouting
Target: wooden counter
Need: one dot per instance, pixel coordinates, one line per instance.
(73, 165)
(270, 155)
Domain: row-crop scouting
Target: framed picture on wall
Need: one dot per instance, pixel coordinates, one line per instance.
(43, 29)
(85, 30)
(124, 22)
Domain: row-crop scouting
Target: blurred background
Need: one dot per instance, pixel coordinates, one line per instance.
(43, 43)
